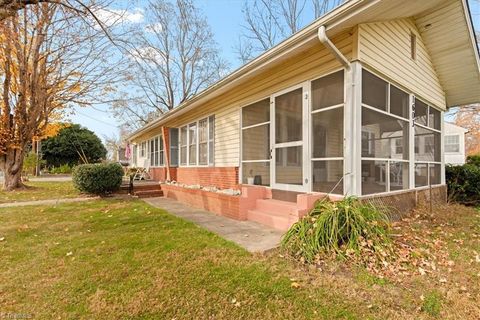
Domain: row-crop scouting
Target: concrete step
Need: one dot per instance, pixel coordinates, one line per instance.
(277, 206)
(274, 220)
(149, 193)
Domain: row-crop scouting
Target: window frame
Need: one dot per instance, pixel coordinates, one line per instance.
(457, 143)
(159, 152)
(186, 144)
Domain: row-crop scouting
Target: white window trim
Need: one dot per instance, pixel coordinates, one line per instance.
(457, 144)
(161, 160)
(197, 143)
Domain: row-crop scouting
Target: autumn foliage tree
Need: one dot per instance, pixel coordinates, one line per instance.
(50, 60)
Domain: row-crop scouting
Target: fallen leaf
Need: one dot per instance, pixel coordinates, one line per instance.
(443, 280)
(295, 285)
(69, 253)
(422, 271)
(2, 239)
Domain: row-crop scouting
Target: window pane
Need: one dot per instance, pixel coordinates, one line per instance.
(435, 174)
(289, 168)
(328, 91)
(203, 130)
(434, 118)
(326, 175)
(380, 135)
(399, 102)
(288, 117)
(257, 173)
(452, 143)
(192, 144)
(421, 110)
(174, 135)
(421, 175)
(211, 153)
(428, 145)
(258, 112)
(374, 177)
(374, 91)
(183, 155)
(327, 133)
(202, 153)
(398, 176)
(256, 143)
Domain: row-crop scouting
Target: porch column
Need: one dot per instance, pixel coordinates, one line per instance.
(442, 147)
(353, 127)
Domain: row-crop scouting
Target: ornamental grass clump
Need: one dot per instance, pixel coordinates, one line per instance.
(348, 228)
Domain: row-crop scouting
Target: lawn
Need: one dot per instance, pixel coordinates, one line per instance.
(40, 190)
(120, 259)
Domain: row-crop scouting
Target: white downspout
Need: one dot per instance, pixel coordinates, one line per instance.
(322, 36)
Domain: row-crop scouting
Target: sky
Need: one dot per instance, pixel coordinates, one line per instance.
(225, 18)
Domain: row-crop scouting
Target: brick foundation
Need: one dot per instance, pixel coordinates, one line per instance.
(158, 174)
(221, 204)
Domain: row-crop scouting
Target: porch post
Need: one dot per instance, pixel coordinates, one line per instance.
(442, 147)
(352, 130)
(411, 143)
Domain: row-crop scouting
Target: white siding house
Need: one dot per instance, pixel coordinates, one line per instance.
(454, 144)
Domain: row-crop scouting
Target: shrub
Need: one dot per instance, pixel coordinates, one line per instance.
(475, 160)
(30, 162)
(463, 184)
(101, 179)
(344, 227)
(63, 169)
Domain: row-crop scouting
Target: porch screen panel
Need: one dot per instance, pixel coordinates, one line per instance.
(328, 133)
(256, 143)
(385, 136)
(428, 145)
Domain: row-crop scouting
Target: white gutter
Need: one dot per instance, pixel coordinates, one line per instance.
(322, 36)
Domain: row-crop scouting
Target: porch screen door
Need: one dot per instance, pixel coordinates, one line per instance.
(289, 136)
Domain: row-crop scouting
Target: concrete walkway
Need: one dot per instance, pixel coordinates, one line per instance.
(44, 202)
(250, 235)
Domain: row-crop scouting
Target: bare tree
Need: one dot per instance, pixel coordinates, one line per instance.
(267, 22)
(50, 60)
(175, 57)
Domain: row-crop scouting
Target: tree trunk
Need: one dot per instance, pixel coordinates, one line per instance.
(12, 164)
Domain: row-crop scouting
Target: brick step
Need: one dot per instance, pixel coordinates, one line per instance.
(274, 220)
(148, 193)
(277, 206)
(141, 187)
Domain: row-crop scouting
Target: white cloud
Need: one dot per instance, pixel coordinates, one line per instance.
(111, 17)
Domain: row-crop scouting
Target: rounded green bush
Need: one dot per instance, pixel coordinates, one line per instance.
(463, 183)
(99, 178)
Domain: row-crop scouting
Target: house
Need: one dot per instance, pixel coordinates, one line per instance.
(454, 144)
(338, 108)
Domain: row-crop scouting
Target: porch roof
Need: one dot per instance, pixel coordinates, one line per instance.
(451, 44)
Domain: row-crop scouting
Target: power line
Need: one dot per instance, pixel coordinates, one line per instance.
(95, 119)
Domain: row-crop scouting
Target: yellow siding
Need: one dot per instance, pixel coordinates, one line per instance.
(385, 46)
(308, 65)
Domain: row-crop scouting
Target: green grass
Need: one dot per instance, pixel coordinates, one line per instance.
(113, 259)
(432, 303)
(40, 190)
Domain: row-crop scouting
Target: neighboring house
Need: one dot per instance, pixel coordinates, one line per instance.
(454, 144)
(337, 108)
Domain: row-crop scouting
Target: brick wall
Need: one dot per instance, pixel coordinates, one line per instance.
(222, 204)
(220, 177)
(158, 174)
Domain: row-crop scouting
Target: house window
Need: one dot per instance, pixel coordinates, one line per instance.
(203, 142)
(196, 143)
(143, 149)
(256, 143)
(183, 146)
(156, 152)
(328, 100)
(192, 144)
(385, 136)
(452, 143)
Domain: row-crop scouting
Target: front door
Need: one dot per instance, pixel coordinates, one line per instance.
(289, 134)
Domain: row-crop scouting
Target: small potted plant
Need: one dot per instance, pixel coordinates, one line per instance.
(250, 178)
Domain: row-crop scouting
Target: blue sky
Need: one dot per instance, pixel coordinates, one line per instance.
(225, 18)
